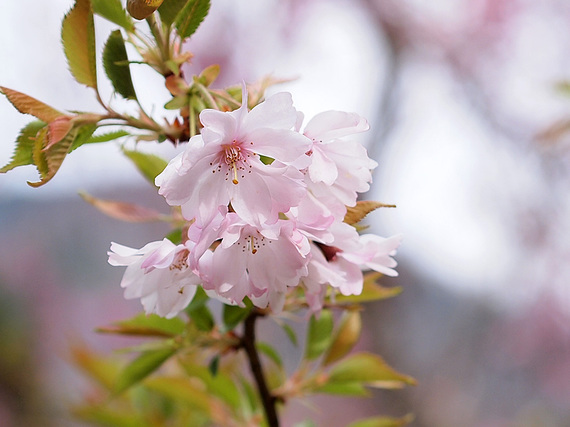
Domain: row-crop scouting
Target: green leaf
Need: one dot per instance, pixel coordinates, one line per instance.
(345, 338)
(199, 312)
(370, 369)
(181, 389)
(220, 385)
(233, 314)
(319, 335)
(113, 11)
(24, 152)
(101, 369)
(116, 64)
(39, 156)
(149, 165)
(78, 37)
(290, 334)
(383, 422)
(191, 16)
(84, 134)
(104, 416)
(25, 104)
(108, 136)
(371, 291)
(147, 325)
(214, 365)
(49, 160)
(141, 367)
(355, 389)
(168, 10)
(270, 352)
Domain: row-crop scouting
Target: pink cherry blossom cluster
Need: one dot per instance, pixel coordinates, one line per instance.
(265, 203)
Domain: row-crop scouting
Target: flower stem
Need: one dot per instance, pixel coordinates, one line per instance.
(248, 342)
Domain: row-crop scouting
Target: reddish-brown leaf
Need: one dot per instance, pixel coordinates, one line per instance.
(123, 211)
(25, 104)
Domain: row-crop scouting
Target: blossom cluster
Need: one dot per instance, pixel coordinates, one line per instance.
(265, 201)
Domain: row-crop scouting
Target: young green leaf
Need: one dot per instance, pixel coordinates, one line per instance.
(199, 312)
(116, 64)
(371, 291)
(94, 139)
(169, 10)
(233, 315)
(78, 37)
(25, 104)
(319, 334)
(383, 422)
(148, 164)
(183, 390)
(141, 367)
(345, 337)
(270, 352)
(101, 369)
(147, 325)
(214, 365)
(343, 388)
(103, 416)
(25, 143)
(290, 334)
(220, 385)
(191, 16)
(370, 369)
(113, 11)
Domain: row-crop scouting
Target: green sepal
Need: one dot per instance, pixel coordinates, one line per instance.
(116, 65)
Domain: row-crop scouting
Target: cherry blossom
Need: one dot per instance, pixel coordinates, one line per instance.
(222, 165)
(340, 167)
(260, 263)
(158, 274)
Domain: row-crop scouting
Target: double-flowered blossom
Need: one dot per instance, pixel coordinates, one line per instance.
(265, 203)
(158, 274)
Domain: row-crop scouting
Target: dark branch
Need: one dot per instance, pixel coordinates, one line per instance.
(248, 342)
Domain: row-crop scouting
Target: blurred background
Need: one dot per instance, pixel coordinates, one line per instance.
(469, 107)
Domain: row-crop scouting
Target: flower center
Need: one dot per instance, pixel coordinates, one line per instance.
(252, 243)
(180, 261)
(233, 156)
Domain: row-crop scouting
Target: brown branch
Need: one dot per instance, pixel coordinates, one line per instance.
(248, 343)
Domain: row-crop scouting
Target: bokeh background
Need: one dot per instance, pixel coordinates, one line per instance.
(469, 107)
